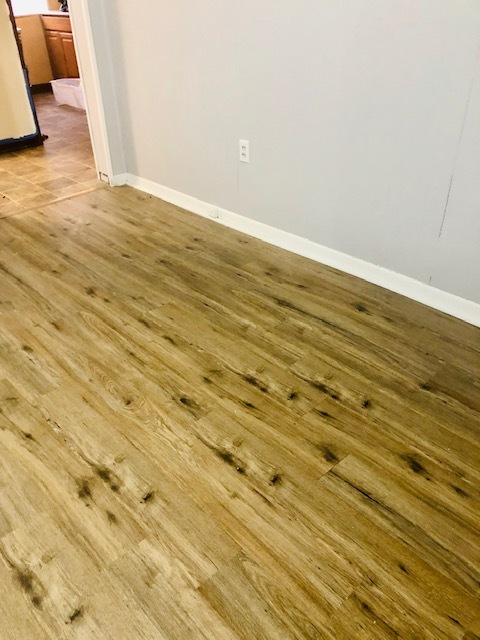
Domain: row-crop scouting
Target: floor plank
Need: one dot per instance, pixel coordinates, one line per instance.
(203, 436)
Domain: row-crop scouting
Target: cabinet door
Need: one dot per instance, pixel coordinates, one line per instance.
(56, 54)
(69, 55)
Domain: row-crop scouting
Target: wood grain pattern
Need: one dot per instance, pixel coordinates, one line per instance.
(203, 436)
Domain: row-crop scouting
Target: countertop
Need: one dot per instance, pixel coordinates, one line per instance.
(43, 13)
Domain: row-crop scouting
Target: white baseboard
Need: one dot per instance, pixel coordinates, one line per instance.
(119, 180)
(441, 300)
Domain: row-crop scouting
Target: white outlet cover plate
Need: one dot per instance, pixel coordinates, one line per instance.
(244, 150)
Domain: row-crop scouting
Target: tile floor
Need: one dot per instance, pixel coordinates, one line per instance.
(64, 166)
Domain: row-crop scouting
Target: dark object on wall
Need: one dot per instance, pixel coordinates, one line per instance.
(35, 139)
(63, 5)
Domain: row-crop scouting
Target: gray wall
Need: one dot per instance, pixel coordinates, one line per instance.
(358, 112)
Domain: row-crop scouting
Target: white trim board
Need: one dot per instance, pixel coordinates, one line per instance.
(87, 62)
(441, 300)
(83, 15)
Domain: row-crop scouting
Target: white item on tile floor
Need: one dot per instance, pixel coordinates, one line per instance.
(69, 91)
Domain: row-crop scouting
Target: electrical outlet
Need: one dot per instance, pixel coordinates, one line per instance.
(244, 151)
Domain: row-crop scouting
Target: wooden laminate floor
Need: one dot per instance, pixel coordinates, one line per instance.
(202, 436)
(63, 166)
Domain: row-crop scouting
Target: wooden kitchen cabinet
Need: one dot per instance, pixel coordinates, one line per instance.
(61, 50)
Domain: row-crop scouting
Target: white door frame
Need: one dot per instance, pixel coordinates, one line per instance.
(88, 61)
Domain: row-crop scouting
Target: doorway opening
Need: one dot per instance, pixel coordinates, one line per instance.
(64, 165)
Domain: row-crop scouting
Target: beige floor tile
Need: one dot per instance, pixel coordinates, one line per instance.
(84, 176)
(75, 189)
(39, 200)
(44, 175)
(12, 182)
(8, 207)
(27, 191)
(62, 166)
(56, 184)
